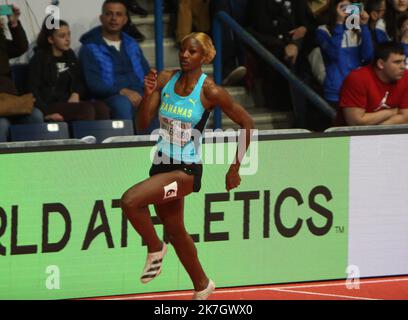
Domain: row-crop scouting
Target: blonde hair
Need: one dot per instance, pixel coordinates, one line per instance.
(206, 43)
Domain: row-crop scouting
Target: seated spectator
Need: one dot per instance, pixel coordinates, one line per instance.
(386, 28)
(402, 25)
(113, 64)
(233, 55)
(14, 109)
(378, 93)
(192, 14)
(343, 49)
(376, 11)
(56, 81)
(273, 24)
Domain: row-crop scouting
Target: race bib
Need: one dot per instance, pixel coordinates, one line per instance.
(175, 131)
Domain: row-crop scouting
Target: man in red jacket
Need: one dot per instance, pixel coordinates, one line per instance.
(378, 93)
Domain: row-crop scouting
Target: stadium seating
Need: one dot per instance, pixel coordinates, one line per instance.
(138, 138)
(42, 143)
(102, 129)
(39, 131)
(3, 138)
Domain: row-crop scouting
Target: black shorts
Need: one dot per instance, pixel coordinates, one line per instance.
(194, 169)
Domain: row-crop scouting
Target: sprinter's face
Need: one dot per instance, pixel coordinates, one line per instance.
(191, 54)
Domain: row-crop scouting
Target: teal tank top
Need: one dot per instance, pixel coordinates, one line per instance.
(182, 122)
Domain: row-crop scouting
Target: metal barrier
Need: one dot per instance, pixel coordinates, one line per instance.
(158, 27)
(367, 128)
(41, 143)
(140, 138)
(247, 38)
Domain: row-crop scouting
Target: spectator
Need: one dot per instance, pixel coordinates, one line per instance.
(13, 108)
(311, 14)
(316, 9)
(402, 25)
(273, 24)
(343, 49)
(16, 110)
(114, 65)
(310, 65)
(192, 14)
(386, 28)
(170, 6)
(56, 81)
(233, 55)
(134, 7)
(376, 11)
(378, 93)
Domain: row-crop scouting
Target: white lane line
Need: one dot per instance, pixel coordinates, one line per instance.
(221, 291)
(324, 294)
(362, 281)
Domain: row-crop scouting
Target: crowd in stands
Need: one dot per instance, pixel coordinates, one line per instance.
(322, 42)
(313, 38)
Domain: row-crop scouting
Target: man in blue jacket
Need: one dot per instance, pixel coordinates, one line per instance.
(113, 63)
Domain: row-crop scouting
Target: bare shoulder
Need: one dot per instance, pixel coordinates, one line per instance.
(211, 90)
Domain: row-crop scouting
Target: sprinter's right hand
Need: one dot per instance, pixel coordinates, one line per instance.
(150, 82)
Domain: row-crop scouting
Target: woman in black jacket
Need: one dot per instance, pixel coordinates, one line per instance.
(271, 22)
(56, 80)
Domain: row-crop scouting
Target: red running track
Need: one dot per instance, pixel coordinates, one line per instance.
(391, 288)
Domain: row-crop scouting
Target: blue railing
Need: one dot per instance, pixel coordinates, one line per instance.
(158, 28)
(247, 38)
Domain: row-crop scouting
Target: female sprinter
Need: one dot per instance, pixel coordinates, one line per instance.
(184, 100)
